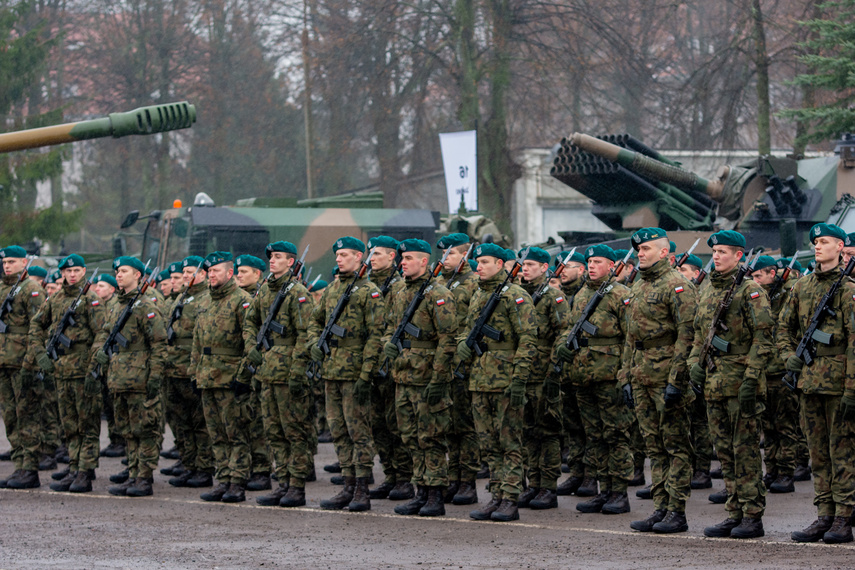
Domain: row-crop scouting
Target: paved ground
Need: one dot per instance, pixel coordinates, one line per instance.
(174, 529)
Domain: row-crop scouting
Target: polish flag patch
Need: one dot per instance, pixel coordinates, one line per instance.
(441, 302)
(35, 294)
(246, 305)
(301, 299)
(520, 301)
(559, 300)
(375, 294)
(679, 289)
(754, 294)
(150, 315)
(95, 303)
(626, 301)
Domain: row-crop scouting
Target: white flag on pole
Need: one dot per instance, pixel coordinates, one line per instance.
(461, 169)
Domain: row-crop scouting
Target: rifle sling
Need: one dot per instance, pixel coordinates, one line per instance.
(429, 344)
(10, 329)
(666, 340)
(601, 341)
(221, 351)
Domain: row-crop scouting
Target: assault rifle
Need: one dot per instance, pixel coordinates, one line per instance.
(179, 307)
(7, 302)
(778, 284)
(59, 337)
(559, 269)
(387, 284)
(464, 259)
(703, 273)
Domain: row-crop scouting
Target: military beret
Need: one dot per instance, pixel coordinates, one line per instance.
(318, 285)
(693, 260)
(217, 258)
(348, 242)
(283, 246)
(473, 264)
(37, 271)
(672, 247)
(537, 254)
(13, 251)
(565, 258)
(645, 235)
(490, 249)
(727, 237)
(510, 255)
(784, 262)
(384, 241)
(419, 245)
(53, 277)
(851, 239)
(162, 276)
(72, 260)
(175, 267)
(452, 240)
(131, 262)
(829, 230)
(765, 261)
(621, 253)
(105, 278)
(193, 261)
(148, 270)
(247, 260)
(600, 250)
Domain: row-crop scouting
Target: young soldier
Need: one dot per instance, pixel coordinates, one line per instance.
(105, 287)
(38, 274)
(164, 284)
(421, 367)
(734, 383)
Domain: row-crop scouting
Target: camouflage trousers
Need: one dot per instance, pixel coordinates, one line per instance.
(52, 436)
(107, 408)
(319, 389)
(780, 427)
(227, 417)
(737, 442)
(701, 439)
(350, 425)
(831, 442)
(464, 454)
(636, 442)
(606, 423)
(259, 452)
(20, 395)
(544, 453)
(500, 431)
(138, 419)
(168, 417)
(667, 438)
(288, 427)
(80, 415)
(802, 453)
(394, 454)
(423, 429)
(188, 424)
(574, 433)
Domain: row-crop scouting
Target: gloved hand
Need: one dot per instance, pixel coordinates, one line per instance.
(256, 385)
(464, 353)
(28, 380)
(673, 395)
(795, 364)
(48, 383)
(434, 392)
(628, 400)
(390, 349)
(196, 390)
(91, 385)
(747, 396)
(516, 391)
(564, 353)
(45, 363)
(152, 387)
(551, 388)
(296, 387)
(847, 406)
(255, 357)
(316, 353)
(240, 388)
(697, 374)
(102, 358)
(362, 390)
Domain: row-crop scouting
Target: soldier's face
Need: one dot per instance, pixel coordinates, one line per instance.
(165, 287)
(247, 276)
(555, 283)
(52, 288)
(489, 267)
(827, 250)
(13, 265)
(454, 257)
(689, 271)
(650, 252)
(599, 267)
(348, 260)
(765, 276)
(725, 257)
(187, 276)
(572, 272)
(383, 258)
(127, 277)
(532, 270)
(414, 264)
(280, 262)
(848, 252)
(220, 273)
(103, 290)
(73, 275)
(624, 272)
(177, 280)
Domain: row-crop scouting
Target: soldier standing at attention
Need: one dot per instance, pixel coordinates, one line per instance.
(79, 394)
(734, 382)
(659, 335)
(348, 371)
(827, 386)
(498, 380)
(38, 274)
(20, 391)
(105, 287)
(164, 285)
(421, 367)
(286, 392)
(216, 364)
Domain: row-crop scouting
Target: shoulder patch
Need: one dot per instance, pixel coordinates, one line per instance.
(559, 299)
(245, 305)
(754, 294)
(520, 300)
(679, 289)
(610, 287)
(150, 315)
(626, 301)
(440, 302)
(35, 294)
(455, 284)
(375, 294)
(301, 299)
(96, 303)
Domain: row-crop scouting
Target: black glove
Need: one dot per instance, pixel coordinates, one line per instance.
(91, 385)
(196, 390)
(747, 396)
(296, 387)
(362, 391)
(551, 388)
(240, 388)
(628, 400)
(516, 392)
(28, 380)
(673, 395)
(434, 392)
(152, 387)
(47, 382)
(847, 406)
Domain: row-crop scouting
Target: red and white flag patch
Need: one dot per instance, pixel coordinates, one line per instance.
(626, 301)
(246, 305)
(441, 302)
(520, 301)
(35, 294)
(679, 289)
(754, 294)
(375, 294)
(151, 315)
(95, 303)
(301, 299)
(559, 300)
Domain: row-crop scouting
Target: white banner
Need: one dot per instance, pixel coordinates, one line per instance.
(461, 169)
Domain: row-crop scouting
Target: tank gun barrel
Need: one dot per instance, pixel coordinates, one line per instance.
(142, 121)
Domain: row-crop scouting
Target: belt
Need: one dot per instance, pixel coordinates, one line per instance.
(825, 350)
(10, 329)
(221, 351)
(655, 342)
(429, 344)
(182, 342)
(283, 341)
(508, 345)
(346, 342)
(601, 341)
(75, 347)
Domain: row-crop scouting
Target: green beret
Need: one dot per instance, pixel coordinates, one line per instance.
(452, 240)
(334, 271)
(565, 258)
(829, 230)
(600, 250)
(53, 277)
(148, 270)
(510, 255)
(672, 248)
(105, 278)
(131, 262)
(727, 237)
(175, 267)
(385, 241)
(473, 264)
(247, 260)
(318, 285)
(851, 239)
(14, 251)
(348, 242)
(537, 254)
(765, 261)
(72, 260)
(645, 235)
(283, 246)
(784, 262)
(193, 261)
(490, 249)
(693, 260)
(410, 245)
(217, 258)
(621, 253)
(37, 271)
(162, 276)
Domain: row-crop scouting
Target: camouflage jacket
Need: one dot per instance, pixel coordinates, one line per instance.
(570, 289)
(288, 355)
(89, 317)
(363, 321)
(829, 374)
(463, 287)
(660, 311)
(437, 319)
(750, 332)
(218, 347)
(551, 314)
(27, 299)
(514, 318)
(776, 365)
(130, 367)
(601, 359)
(379, 278)
(178, 363)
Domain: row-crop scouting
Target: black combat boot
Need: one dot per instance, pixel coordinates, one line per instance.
(637, 478)
(415, 505)
(259, 482)
(484, 472)
(526, 497)
(4, 483)
(839, 532)
(141, 487)
(235, 494)
(272, 499)
(722, 529)
(701, 479)
(120, 477)
(47, 463)
(545, 499)
(673, 522)
(594, 504)
(200, 479)
(62, 454)
(617, 504)
(215, 494)
(783, 484)
(815, 531)
(173, 470)
(337, 479)
(312, 476)
(295, 497)
(343, 498)
(121, 490)
(719, 497)
(6, 456)
(506, 512)
(647, 524)
(716, 474)
(83, 482)
(325, 437)
(770, 477)
(435, 506)
(64, 484)
(467, 495)
(381, 491)
(60, 475)
(452, 489)
(402, 491)
(569, 486)
(645, 493)
(802, 473)
(170, 454)
(361, 501)
(114, 450)
(588, 488)
(751, 528)
(25, 480)
(485, 512)
(333, 467)
(181, 480)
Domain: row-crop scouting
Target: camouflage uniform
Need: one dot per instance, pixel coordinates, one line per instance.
(659, 333)
(215, 361)
(260, 455)
(106, 397)
(736, 435)
(571, 419)
(822, 386)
